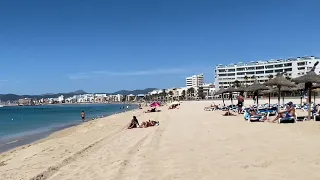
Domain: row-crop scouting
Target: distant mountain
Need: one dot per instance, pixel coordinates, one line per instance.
(14, 97)
(78, 92)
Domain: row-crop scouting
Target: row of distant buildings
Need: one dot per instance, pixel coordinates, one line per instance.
(194, 82)
(84, 98)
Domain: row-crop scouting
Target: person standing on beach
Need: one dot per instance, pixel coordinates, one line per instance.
(83, 116)
(240, 102)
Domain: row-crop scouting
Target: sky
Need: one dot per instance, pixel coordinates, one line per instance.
(105, 46)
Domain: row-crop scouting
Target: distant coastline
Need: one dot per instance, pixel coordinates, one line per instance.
(59, 104)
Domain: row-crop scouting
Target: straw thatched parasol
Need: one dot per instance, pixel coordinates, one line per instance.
(220, 91)
(308, 79)
(241, 89)
(279, 81)
(316, 86)
(282, 89)
(256, 87)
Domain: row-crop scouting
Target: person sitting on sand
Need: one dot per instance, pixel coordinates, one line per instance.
(134, 123)
(317, 109)
(288, 113)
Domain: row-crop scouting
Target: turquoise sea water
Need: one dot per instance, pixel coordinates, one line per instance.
(24, 124)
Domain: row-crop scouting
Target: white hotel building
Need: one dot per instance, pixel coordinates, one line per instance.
(261, 70)
(195, 81)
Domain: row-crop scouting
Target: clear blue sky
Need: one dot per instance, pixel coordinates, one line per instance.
(104, 46)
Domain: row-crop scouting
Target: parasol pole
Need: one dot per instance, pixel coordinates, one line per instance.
(269, 99)
(223, 100)
(279, 98)
(257, 98)
(301, 97)
(314, 97)
(230, 94)
(309, 99)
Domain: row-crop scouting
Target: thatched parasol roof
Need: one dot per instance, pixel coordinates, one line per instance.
(316, 86)
(300, 86)
(241, 88)
(257, 86)
(310, 77)
(220, 91)
(230, 90)
(285, 89)
(279, 80)
(270, 90)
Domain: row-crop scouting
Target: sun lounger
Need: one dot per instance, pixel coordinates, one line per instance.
(292, 119)
(316, 117)
(255, 118)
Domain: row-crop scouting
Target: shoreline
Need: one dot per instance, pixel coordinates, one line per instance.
(13, 141)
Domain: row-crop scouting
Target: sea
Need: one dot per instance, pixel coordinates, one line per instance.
(21, 125)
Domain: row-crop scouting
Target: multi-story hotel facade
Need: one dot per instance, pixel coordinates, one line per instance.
(262, 71)
(195, 81)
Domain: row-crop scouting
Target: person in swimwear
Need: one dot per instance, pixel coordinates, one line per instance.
(240, 102)
(134, 123)
(290, 112)
(83, 116)
(149, 124)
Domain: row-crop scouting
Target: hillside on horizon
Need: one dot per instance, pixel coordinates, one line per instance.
(14, 97)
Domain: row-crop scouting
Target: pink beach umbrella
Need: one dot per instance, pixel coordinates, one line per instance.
(155, 104)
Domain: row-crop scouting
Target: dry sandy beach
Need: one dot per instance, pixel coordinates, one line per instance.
(189, 144)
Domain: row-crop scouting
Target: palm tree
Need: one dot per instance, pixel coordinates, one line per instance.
(246, 79)
(200, 93)
(253, 77)
(236, 83)
(183, 94)
(163, 94)
(170, 94)
(287, 76)
(124, 98)
(190, 92)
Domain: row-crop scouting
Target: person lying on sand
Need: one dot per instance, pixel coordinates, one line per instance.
(149, 124)
(134, 123)
(228, 114)
(151, 110)
(288, 113)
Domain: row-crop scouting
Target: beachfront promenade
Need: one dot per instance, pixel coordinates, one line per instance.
(189, 144)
